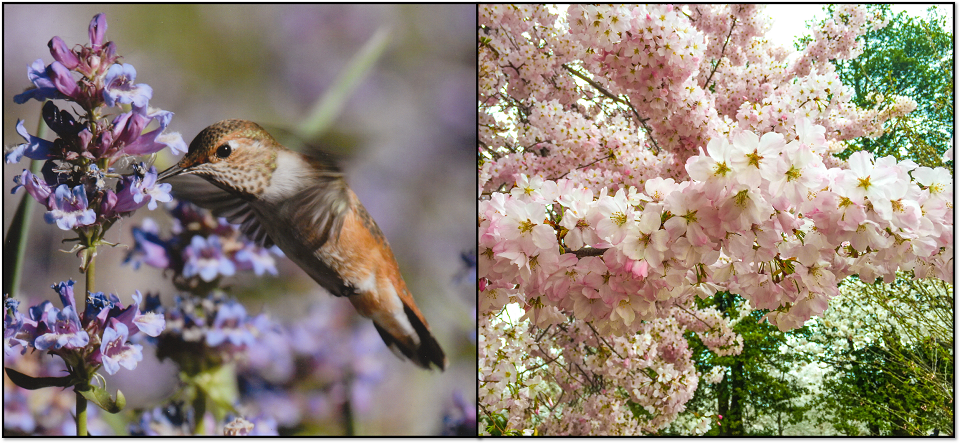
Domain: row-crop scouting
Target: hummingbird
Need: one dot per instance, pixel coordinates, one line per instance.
(302, 204)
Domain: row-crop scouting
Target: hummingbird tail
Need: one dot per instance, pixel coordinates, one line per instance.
(422, 349)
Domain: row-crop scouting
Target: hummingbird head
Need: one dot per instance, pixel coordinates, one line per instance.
(236, 155)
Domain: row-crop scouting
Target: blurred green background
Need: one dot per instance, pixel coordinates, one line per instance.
(405, 138)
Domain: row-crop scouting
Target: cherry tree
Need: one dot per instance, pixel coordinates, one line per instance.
(634, 158)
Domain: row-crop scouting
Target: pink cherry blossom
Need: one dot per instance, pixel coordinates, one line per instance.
(625, 173)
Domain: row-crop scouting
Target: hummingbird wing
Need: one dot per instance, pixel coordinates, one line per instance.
(221, 203)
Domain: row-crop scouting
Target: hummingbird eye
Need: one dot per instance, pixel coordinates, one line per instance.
(224, 150)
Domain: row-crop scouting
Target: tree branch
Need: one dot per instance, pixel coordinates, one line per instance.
(597, 334)
(584, 166)
(722, 50)
(585, 252)
(642, 121)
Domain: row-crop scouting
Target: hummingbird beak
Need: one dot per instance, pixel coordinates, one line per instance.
(170, 172)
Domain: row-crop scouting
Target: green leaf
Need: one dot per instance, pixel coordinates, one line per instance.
(101, 398)
(27, 382)
(14, 243)
(219, 384)
(329, 105)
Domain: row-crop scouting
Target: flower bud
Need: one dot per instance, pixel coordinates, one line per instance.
(63, 54)
(85, 136)
(128, 126)
(108, 203)
(93, 63)
(98, 28)
(109, 54)
(101, 145)
(63, 80)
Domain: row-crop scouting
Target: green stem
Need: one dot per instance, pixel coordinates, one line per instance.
(90, 278)
(199, 412)
(348, 418)
(347, 410)
(81, 400)
(81, 415)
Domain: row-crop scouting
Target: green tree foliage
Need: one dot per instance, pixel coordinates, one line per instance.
(900, 381)
(755, 383)
(910, 57)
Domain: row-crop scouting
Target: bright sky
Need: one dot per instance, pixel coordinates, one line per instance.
(789, 20)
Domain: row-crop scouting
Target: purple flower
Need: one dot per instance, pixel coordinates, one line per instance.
(43, 89)
(119, 87)
(204, 257)
(148, 247)
(10, 306)
(149, 323)
(61, 330)
(97, 30)
(114, 350)
(63, 80)
(264, 425)
(17, 329)
(39, 313)
(63, 54)
(272, 358)
(100, 146)
(69, 210)
(464, 419)
(127, 127)
(230, 325)
(167, 420)
(108, 55)
(152, 192)
(134, 192)
(256, 258)
(35, 186)
(99, 306)
(18, 411)
(35, 147)
(65, 289)
(156, 140)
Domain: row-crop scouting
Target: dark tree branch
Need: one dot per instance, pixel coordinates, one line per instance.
(585, 252)
(642, 121)
(722, 50)
(588, 164)
(597, 334)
